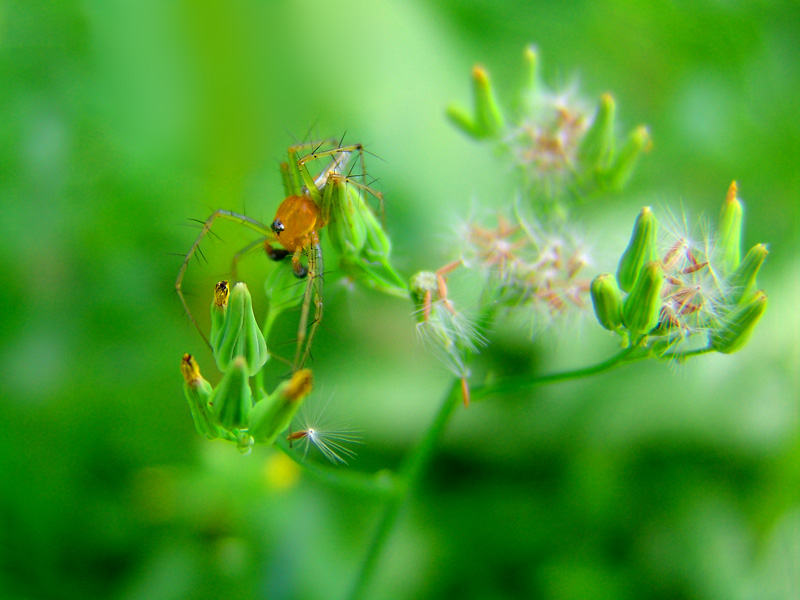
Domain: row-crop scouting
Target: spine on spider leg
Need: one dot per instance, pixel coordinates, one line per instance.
(317, 282)
(305, 336)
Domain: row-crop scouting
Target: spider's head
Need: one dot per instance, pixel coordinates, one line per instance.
(277, 226)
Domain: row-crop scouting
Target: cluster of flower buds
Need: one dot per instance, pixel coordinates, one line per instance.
(559, 146)
(228, 411)
(676, 287)
(359, 237)
(448, 332)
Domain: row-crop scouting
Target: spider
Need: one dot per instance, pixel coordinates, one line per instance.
(311, 202)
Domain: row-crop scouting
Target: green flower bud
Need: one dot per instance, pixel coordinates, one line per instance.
(488, 119)
(730, 231)
(378, 245)
(641, 249)
(273, 414)
(597, 146)
(607, 301)
(529, 81)
(240, 334)
(219, 306)
(370, 265)
(348, 231)
(622, 167)
(232, 399)
(642, 307)
(743, 280)
(198, 392)
(739, 325)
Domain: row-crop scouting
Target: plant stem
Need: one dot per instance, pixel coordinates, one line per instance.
(410, 472)
(684, 355)
(510, 384)
(415, 463)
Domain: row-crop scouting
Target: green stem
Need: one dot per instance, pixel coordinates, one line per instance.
(511, 384)
(684, 355)
(415, 463)
(410, 472)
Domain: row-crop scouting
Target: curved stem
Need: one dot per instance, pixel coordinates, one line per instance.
(684, 355)
(410, 471)
(414, 465)
(516, 383)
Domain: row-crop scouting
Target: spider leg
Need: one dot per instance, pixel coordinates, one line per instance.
(297, 267)
(305, 334)
(340, 158)
(241, 254)
(293, 178)
(217, 214)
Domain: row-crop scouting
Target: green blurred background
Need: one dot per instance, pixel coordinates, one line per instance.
(121, 119)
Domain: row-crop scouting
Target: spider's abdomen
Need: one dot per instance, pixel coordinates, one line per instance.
(296, 218)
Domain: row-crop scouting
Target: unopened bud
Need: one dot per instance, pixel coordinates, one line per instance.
(623, 165)
(488, 120)
(347, 229)
(273, 414)
(219, 306)
(643, 305)
(739, 325)
(198, 392)
(597, 146)
(641, 249)
(743, 280)
(378, 245)
(232, 399)
(240, 335)
(529, 82)
(730, 230)
(607, 301)
(487, 112)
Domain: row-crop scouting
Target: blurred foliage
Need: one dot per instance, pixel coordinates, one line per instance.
(122, 119)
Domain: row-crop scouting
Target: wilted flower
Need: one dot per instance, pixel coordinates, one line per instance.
(545, 142)
(448, 332)
(528, 267)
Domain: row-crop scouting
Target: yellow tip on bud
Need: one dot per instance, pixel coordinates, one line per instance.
(732, 190)
(480, 75)
(730, 230)
(642, 136)
(529, 53)
(299, 385)
(190, 369)
(221, 293)
(198, 392)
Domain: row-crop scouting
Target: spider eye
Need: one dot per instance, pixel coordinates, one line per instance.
(277, 226)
